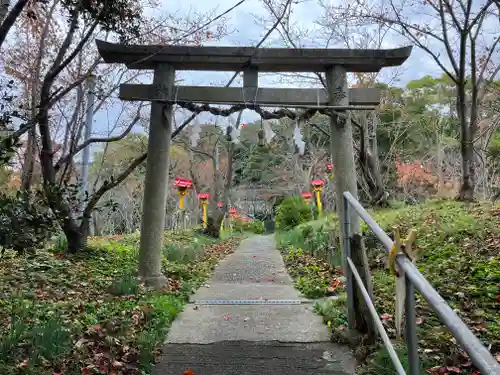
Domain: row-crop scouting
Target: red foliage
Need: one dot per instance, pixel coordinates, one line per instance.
(414, 173)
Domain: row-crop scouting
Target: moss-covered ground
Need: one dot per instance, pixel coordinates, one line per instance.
(461, 259)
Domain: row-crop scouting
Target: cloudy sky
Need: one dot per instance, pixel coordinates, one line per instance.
(246, 29)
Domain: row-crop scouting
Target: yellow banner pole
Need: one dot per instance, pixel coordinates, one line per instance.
(205, 216)
(181, 201)
(318, 201)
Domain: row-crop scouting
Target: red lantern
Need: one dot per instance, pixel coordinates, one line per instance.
(330, 166)
(317, 183)
(203, 196)
(182, 186)
(232, 210)
(182, 183)
(307, 195)
(219, 204)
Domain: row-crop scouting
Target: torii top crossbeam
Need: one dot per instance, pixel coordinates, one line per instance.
(263, 59)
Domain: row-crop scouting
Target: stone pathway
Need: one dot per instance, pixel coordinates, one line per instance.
(251, 339)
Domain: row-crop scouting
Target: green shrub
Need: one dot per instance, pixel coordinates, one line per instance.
(318, 238)
(25, 222)
(292, 212)
(255, 226)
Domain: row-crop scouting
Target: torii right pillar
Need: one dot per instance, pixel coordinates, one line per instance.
(342, 150)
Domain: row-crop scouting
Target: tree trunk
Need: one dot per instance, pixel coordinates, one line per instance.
(466, 192)
(467, 112)
(227, 184)
(8, 20)
(97, 228)
(4, 9)
(370, 164)
(229, 178)
(29, 160)
(77, 236)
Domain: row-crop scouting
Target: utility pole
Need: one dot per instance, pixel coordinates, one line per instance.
(91, 80)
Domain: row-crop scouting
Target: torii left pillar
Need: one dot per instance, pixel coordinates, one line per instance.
(156, 181)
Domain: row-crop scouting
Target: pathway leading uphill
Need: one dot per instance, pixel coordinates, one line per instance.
(280, 338)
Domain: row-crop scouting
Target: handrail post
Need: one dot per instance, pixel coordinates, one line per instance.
(346, 229)
(411, 329)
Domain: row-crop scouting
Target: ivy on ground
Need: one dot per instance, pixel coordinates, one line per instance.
(88, 313)
(461, 259)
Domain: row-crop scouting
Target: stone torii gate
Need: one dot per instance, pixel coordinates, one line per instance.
(163, 94)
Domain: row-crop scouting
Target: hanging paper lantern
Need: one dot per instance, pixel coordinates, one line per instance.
(330, 166)
(232, 130)
(235, 135)
(297, 137)
(219, 204)
(268, 132)
(195, 133)
(260, 134)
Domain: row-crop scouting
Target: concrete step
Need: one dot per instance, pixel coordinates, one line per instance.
(256, 358)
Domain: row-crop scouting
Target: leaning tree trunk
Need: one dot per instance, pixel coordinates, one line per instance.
(467, 133)
(4, 9)
(29, 160)
(370, 164)
(229, 178)
(7, 19)
(466, 192)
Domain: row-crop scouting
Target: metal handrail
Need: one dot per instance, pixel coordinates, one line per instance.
(478, 354)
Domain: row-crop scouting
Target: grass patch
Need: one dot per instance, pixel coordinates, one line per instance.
(89, 313)
(461, 260)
